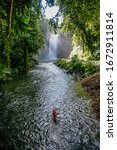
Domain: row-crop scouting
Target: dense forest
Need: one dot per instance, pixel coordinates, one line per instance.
(20, 36)
(49, 75)
(81, 18)
(21, 32)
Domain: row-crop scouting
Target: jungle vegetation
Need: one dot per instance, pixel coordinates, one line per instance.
(21, 36)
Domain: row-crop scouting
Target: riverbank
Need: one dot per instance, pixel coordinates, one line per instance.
(92, 85)
(7, 74)
(88, 73)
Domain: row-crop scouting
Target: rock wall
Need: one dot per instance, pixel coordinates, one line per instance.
(64, 45)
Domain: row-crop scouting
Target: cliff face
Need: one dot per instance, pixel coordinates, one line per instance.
(77, 50)
(64, 45)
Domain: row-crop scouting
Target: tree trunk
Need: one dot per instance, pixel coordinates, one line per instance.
(7, 49)
(10, 19)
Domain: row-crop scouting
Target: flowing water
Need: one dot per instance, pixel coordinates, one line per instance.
(53, 47)
(51, 52)
(25, 113)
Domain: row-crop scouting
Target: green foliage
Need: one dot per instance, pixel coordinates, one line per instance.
(62, 63)
(90, 68)
(45, 27)
(95, 56)
(20, 35)
(82, 18)
(78, 67)
(5, 73)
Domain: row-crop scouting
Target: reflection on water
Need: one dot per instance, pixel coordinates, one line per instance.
(25, 113)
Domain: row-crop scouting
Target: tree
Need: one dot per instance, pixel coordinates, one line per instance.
(21, 36)
(82, 19)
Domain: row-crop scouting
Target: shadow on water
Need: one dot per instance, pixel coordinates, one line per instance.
(25, 113)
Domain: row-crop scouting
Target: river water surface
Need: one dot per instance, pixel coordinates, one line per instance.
(25, 113)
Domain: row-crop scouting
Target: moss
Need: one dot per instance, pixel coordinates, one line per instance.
(81, 91)
(62, 63)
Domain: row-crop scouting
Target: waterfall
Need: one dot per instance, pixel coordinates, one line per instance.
(53, 47)
(56, 46)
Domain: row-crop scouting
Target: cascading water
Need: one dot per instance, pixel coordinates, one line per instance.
(56, 46)
(53, 47)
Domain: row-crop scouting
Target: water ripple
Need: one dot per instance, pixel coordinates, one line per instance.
(25, 113)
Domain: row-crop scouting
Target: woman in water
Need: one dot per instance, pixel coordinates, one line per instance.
(54, 113)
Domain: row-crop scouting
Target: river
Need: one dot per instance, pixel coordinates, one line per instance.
(25, 113)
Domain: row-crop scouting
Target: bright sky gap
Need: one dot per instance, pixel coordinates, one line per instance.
(50, 12)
